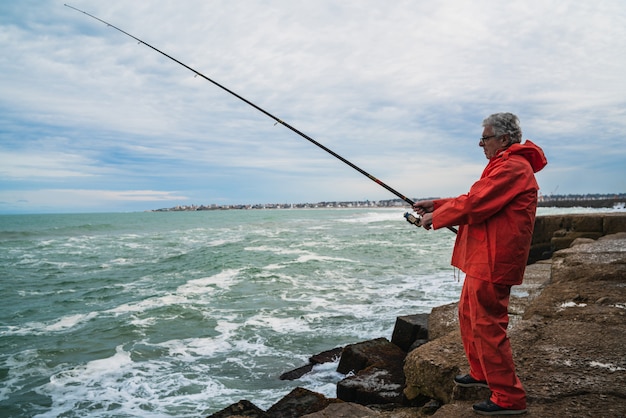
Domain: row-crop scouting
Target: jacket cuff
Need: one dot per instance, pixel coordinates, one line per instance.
(437, 203)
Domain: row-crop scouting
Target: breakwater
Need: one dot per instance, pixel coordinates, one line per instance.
(556, 232)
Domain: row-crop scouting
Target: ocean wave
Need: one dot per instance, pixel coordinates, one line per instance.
(62, 324)
(373, 217)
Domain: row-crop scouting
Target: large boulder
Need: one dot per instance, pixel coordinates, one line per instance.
(598, 260)
(299, 402)
(556, 232)
(410, 331)
(443, 320)
(430, 368)
(375, 373)
(242, 408)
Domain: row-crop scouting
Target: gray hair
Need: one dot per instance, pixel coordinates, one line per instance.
(505, 124)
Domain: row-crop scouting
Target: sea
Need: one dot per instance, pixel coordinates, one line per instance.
(181, 314)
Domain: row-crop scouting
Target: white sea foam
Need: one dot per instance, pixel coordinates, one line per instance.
(142, 323)
(119, 386)
(122, 261)
(64, 323)
(17, 366)
(323, 378)
(274, 266)
(207, 285)
(217, 242)
(280, 325)
(147, 304)
(190, 349)
(69, 321)
(378, 216)
(314, 257)
(276, 250)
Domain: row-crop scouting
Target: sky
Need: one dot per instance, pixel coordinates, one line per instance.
(93, 121)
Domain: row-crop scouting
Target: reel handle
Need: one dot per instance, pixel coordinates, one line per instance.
(412, 219)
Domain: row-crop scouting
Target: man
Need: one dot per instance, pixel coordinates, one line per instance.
(496, 220)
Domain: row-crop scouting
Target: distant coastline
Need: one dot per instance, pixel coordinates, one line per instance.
(563, 201)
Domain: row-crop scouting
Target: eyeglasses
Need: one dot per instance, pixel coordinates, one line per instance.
(483, 138)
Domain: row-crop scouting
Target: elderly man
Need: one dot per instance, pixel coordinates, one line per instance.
(496, 220)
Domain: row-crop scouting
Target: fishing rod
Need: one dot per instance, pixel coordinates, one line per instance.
(409, 217)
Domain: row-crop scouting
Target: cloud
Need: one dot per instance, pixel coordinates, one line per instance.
(398, 89)
(19, 165)
(60, 200)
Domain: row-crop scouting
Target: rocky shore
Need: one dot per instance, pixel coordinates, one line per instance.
(567, 330)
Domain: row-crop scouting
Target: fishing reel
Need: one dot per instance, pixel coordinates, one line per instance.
(412, 219)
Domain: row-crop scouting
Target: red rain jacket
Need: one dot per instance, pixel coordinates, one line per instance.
(496, 218)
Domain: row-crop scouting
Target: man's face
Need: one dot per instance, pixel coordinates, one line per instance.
(490, 143)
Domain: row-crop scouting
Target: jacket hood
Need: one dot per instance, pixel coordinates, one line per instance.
(531, 152)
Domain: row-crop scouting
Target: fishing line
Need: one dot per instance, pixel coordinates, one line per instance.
(409, 217)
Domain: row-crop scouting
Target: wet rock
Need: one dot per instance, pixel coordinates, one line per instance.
(327, 356)
(242, 408)
(377, 368)
(356, 357)
(410, 329)
(299, 402)
(323, 357)
(372, 385)
(296, 373)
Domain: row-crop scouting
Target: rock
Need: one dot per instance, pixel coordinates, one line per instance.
(372, 385)
(586, 222)
(431, 407)
(323, 357)
(299, 402)
(378, 375)
(556, 232)
(600, 260)
(327, 356)
(408, 329)
(431, 368)
(356, 357)
(579, 241)
(242, 408)
(344, 410)
(296, 373)
(614, 224)
(443, 320)
(416, 343)
(566, 240)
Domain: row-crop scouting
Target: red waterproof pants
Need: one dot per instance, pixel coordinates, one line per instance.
(484, 317)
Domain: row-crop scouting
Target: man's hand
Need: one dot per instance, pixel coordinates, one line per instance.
(427, 220)
(423, 207)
